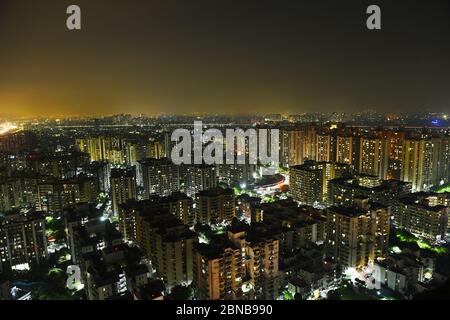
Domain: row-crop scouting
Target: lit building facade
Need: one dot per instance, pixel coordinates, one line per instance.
(423, 216)
(123, 187)
(374, 157)
(215, 206)
(160, 177)
(199, 178)
(417, 164)
(309, 181)
(23, 241)
(357, 235)
(237, 266)
(342, 191)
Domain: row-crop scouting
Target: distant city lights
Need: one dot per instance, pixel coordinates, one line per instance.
(7, 127)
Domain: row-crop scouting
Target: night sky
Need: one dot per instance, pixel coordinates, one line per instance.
(222, 56)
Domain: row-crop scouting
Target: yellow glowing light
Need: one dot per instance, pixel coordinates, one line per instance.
(7, 127)
(280, 185)
(316, 294)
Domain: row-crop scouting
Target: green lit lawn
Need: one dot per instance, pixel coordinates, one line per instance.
(444, 189)
(287, 295)
(409, 238)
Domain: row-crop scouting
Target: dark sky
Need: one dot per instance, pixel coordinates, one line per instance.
(222, 56)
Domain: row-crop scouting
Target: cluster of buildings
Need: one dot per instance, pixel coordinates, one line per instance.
(133, 220)
(418, 157)
(110, 267)
(23, 240)
(50, 182)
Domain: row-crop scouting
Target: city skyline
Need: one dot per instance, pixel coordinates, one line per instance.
(192, 151)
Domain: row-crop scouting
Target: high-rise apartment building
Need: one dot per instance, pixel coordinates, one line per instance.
(155, 149)
(417, 163)
(101, 172)
(168, 244)
(292, 147)
(237, 174)
(11, 194)
(23, 241)
(112, 272)
(53, 195)
(309, 181)
(123, 187)
(357, 235)
(215, 206)
(237, 266)
(374, 157)
(325, 147)
(18, 191)
(423, 216)
(199, 178)
(344, 149)
(61, 165)
(178, 205)
(343, 191)
(441, 160)
(160, 177)
(103, 148)
(295, 227)
(394, 140)
(132, 155)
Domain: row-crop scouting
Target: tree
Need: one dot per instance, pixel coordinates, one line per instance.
(333, 295)
(180, 292)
